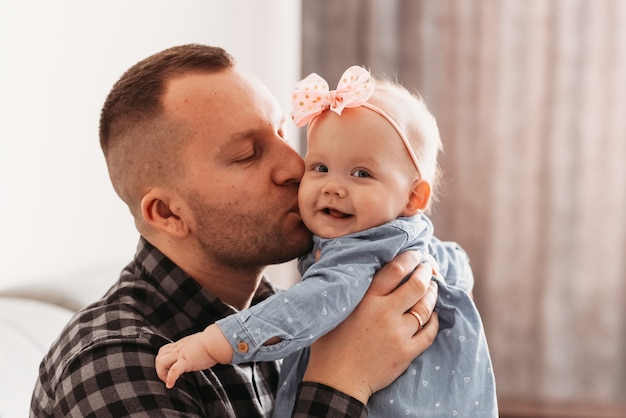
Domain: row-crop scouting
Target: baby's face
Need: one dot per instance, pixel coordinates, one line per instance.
(357, 174)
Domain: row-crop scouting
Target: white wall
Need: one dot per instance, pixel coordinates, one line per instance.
(59, 216)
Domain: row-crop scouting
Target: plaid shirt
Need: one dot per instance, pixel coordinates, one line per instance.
(317, 400)
(102, 365)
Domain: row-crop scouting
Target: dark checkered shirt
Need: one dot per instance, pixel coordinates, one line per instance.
(102, 365)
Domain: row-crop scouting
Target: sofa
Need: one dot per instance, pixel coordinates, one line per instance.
(31, 317)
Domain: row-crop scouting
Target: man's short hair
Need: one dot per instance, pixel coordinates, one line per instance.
(135, 135)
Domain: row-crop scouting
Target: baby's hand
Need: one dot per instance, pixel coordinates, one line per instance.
(199, 351)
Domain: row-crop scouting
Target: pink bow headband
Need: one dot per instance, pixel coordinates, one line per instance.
(312, 97)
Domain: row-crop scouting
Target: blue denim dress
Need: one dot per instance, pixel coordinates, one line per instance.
(453, 377)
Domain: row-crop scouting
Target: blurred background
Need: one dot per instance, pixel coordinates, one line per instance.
(530, 97)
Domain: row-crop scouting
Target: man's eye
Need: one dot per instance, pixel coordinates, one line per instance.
(245, 158)
(320, 168)
(361, 173)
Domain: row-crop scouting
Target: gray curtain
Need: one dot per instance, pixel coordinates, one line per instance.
(530, 96)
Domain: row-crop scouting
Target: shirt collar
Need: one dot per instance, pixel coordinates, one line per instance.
(184, 291)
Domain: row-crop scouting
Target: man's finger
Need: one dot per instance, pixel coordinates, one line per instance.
(425, 337)
(409, 293)
(392, 273)
(423, 309)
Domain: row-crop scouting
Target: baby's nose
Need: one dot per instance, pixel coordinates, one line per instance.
(333, 188)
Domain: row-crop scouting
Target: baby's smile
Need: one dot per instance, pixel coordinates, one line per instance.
(335, 213)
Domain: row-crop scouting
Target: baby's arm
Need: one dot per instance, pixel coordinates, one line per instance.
(195, 352)
(329, 291)
(289, 321)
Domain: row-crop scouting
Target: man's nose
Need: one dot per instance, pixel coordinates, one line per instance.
(289, 165)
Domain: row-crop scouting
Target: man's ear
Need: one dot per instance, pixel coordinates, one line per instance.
(161, 209)
(418, 198)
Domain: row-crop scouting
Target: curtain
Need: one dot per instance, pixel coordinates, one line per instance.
(530, 97)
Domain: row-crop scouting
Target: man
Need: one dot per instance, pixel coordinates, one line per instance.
(195, 147)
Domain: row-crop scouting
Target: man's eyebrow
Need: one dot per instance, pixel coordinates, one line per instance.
(236, 138)
(247, 134)
(239, 136)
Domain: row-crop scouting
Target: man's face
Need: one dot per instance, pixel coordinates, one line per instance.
(241, 176)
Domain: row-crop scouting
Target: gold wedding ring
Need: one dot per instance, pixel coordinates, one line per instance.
(419, 319)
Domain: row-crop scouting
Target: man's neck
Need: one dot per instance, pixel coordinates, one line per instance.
(235, 287)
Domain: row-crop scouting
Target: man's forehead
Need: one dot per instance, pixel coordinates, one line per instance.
(193, 87)
(230, 105)
(230, 89)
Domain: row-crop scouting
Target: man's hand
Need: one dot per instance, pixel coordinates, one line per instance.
(378, 341)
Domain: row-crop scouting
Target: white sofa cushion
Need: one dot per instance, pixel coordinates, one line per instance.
(28, 327)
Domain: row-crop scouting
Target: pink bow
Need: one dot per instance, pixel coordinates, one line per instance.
(312, 96)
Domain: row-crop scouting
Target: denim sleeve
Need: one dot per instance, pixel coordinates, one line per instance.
(328, 293)
(454, 264)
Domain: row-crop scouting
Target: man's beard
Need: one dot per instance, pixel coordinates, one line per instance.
(246, 240)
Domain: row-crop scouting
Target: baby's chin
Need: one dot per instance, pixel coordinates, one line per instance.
(331, 233)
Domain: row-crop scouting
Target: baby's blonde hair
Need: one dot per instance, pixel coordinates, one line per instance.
(409, 111)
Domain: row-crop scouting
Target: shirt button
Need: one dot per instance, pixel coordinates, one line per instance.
(242, 347)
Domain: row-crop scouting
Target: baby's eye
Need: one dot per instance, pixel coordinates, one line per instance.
(320, 168)
(361, 173)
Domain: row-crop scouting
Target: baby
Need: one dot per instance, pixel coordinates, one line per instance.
(370, 172)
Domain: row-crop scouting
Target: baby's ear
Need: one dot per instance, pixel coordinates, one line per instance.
(418, 198)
